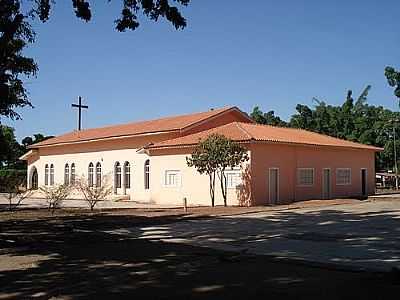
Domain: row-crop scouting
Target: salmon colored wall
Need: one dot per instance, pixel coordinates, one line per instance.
(288, 158)
(194, 187)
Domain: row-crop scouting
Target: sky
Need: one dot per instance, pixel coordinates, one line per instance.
(273, 54)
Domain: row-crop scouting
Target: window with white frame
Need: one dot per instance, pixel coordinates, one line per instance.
(46, 175)
(305, 176)
(233, 179)
(72, 173)
(51, 174)
(343, 176)
(66, 174)
(172, 178)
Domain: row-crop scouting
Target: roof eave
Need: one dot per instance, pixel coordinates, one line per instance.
(252, 140)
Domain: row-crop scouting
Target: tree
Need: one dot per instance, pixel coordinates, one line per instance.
(267, 118)
(393, 78)
(55, 195)
(16, 34)
(213, 156)
(14, 186)
(230, 155)
(10, 150)
(205, 159)
(94, 194)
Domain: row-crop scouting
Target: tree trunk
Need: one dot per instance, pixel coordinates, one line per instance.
(212, 188)
(10, 202)
(222, 179)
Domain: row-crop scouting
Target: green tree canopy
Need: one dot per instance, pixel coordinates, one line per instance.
(393, 78)
(267, 118)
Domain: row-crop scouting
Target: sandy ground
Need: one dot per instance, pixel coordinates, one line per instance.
(158, 253)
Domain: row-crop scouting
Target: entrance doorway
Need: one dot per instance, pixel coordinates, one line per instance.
(326, 184)
(34, 179)
(364, 191)
(273, 185)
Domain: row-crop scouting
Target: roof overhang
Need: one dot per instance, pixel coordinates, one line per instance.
(374, 149)
(27, 154)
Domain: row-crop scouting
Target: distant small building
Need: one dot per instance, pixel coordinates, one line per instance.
(385, 180)
(147, 161)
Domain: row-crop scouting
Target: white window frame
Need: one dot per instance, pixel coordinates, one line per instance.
(178, 180)
(239, 181)
(341, 169)
(298, 177)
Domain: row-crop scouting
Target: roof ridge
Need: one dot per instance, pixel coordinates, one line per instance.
(220, 111)
(156, 119)
(238, 124)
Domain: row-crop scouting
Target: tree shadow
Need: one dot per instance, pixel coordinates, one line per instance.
(113, 256)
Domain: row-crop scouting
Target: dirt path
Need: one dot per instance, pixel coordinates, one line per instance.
(70, 256)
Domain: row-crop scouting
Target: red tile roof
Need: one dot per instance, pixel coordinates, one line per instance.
(246, 132)
(167, 124)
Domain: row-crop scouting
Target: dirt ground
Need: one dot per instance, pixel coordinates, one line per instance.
(70, 256)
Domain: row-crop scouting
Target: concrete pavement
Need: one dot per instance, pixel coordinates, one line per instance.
(363, 236)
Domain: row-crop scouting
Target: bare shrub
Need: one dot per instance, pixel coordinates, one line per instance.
(94, 194)
(15, 190)
(55, 195)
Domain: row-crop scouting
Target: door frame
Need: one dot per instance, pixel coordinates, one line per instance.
(330, 183)
(277, 185)
(366, 182)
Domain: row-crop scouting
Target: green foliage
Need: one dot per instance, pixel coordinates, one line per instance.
(267, 118)
(16, 34)
(13, 184)
(153, 9)
(393, 78)
(10, 179)
(11, 150)
(214, 155)
(354, 120)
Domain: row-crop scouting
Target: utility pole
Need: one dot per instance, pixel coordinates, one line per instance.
(395, 155)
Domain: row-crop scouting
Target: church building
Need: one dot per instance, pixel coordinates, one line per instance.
(146, 161)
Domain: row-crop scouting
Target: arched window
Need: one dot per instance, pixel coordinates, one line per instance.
(90, 175)
(72, 173)
(46, 175)
(147, 175)
(51, 174)
(66, 174)
(117, 175)
(98, 174)
(34, 179)
(127, 175)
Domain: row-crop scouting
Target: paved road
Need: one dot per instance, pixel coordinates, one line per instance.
(364, 235)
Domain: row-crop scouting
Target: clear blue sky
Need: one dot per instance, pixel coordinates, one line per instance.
(274, 54)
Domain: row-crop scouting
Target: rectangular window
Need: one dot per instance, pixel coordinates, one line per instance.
(172, 178)
(343, 176)
(305, 176)
(233, 179)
